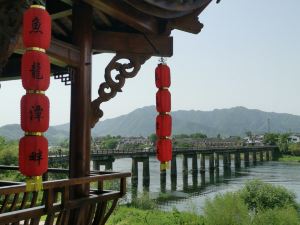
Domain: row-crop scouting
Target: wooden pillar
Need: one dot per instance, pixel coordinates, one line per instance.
(202, 163)
(163, 180)
(80, 125)
(134, 170)
(229, 159)
(225, 160)
(173, 173)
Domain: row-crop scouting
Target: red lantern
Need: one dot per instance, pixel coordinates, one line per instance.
(35, 71)
(35, 113)
(163, 125)
(164, 150)
(162, 76)
(33, 155)
(163, 101)
(36, 28)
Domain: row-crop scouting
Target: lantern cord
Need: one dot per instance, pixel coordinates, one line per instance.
(162, 59)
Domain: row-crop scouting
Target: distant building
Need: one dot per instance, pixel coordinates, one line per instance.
(294, 138)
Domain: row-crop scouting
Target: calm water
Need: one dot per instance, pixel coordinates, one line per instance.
(191, 191)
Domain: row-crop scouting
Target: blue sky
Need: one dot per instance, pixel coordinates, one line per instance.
(246, 55)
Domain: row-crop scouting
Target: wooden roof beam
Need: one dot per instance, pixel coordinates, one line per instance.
(61, 14)
(60, 53)
(126, 14)
(118, 42)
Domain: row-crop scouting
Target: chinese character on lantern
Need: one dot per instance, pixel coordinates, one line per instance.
(36, 112)
(36, 156)
(36, 25)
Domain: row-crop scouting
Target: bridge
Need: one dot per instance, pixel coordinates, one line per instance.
(212, 154)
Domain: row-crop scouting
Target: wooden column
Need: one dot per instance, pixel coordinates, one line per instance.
(80, 126)
(254, 157)
(202, 163)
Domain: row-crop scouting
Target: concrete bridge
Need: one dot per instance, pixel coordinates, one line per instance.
(209, 160)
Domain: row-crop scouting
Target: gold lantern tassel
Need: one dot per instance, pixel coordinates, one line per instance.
(164, 166)
(34, 183)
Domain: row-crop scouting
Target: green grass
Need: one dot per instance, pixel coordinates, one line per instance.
(132, 216)
(289, 158)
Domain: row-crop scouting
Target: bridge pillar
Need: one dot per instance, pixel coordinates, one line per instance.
(211, 162)
(194, 164)
(267, 155)
(226, 160)
(134, 170)
(173, 173)
(217, 160)
(96, 165)
(185, 167)
(261, 156)
(109, 165)
(146, 174)
(246, 159)
(237, 160)
(163, 180)
(229, 159)
(254, 157)
(202, 179)
(202, 163)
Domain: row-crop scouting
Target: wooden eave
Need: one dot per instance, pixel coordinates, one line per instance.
(120, 26)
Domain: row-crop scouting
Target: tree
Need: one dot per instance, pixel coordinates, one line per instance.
(153, 138)
(271, 138)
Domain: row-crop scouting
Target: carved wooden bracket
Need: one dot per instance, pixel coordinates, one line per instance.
(110, 88)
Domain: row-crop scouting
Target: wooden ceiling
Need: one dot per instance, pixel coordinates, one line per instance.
(141, 26)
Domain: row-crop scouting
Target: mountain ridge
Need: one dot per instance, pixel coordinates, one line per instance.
(233, 121)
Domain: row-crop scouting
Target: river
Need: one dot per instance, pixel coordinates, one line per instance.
(191, 193)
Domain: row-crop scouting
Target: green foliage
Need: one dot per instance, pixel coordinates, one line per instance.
(132, 216)
(8, 152)
(227, 209)
(153, 138)
(278, 216)
(258, 195)
(271, 138)
(294, 148)
(198, 136)
(283, 143)
(143, 202)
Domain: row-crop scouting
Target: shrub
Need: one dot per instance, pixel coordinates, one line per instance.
(295, 149)
(282, 216)
(258, 195)
(227, 209)
(143, 202)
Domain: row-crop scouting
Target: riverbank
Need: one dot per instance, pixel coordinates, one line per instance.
(289, 158)
(132, 216)
(257, 203)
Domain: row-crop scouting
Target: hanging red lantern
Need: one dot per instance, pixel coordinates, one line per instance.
(163, 125)
(36, 27)
(35, 72)
(163, 101)
(33, 155)
(162, 76)
(164, 150)
(35, 113)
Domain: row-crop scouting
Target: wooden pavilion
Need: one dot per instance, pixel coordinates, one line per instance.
(132, 29)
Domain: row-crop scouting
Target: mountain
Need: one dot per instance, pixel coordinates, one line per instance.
(227, 122)
(14, 131)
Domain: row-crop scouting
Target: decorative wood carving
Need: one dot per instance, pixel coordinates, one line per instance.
(110, 88)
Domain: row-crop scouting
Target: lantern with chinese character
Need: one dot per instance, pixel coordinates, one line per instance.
(36, 27)
(34, 113)
(35, 71)
(33, 157)
(163, 120)
(33, 148)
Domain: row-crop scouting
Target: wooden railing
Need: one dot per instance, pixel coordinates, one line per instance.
(54, 204)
